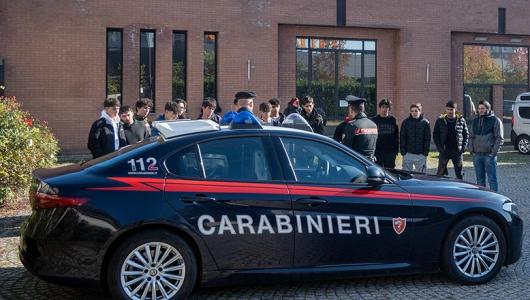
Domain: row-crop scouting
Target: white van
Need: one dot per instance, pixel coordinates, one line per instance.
(520, 134)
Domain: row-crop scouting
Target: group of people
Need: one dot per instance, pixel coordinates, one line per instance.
(379, 138)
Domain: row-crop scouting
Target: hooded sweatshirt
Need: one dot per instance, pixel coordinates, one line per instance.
(486, 134)
(115, 123)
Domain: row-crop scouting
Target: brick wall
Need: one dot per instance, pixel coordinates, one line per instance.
(55, 50)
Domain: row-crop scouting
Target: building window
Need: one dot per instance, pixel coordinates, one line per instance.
(485, 65)
(330, 69)
(178, 82)
(114, 63)
(210, 65)
(147, 64)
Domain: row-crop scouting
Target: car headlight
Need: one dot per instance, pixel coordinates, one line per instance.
(510, 207)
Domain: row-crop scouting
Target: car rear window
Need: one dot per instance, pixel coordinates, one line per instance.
(524, 112)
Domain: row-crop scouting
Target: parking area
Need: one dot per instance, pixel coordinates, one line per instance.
(512, 282)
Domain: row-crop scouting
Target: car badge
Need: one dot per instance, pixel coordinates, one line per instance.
(399, 225)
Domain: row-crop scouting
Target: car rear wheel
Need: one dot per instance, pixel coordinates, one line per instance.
(152, 265)
(523, 144)
(474, 251)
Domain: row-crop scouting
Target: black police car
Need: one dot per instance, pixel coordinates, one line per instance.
(209, 205)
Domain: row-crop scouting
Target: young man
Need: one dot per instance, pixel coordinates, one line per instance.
(361, 133)
(227, 118)
(208, 110)
(311, 115)
(134, 130)
(450, 136)
(171, 113)
(181, 108)
(143, 107)
(275, 110)
(415, 140)
(106, 134)
(387, 146)
(265, 109)
(486, 137)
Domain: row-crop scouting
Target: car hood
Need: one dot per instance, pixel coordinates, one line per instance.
(442, 187)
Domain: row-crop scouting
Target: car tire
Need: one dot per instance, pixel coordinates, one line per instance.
(474, 239)
(523, 144)
(158, 259)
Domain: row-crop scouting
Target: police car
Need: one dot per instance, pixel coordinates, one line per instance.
(209, 205)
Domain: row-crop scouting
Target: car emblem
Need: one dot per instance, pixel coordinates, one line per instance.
(399, 225)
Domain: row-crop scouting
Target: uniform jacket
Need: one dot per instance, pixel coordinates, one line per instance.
(361, 135)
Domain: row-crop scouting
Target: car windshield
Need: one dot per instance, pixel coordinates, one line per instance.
(147, 143)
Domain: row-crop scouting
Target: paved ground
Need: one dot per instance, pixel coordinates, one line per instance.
(512, 282)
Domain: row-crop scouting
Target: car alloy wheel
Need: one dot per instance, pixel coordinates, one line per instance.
(153, 271)
(152, 264)
(476, 251)
(523, 145)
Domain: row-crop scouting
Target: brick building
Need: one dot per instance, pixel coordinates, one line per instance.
(62, 58)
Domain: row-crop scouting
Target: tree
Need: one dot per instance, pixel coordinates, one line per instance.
(480, 67)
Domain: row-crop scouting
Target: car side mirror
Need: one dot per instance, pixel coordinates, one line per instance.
(375, 175)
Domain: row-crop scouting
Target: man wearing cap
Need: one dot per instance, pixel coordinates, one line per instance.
(245, 100)
(361, 133)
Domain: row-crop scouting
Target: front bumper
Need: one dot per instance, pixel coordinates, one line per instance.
(515, 240)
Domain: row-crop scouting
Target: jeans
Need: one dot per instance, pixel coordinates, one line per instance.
(485, 164)
(456, 157)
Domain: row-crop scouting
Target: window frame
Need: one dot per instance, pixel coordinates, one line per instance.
(277, 174)
(289, 169)
(153, 61)
(185, 33)
(216, 64)
(111, 29)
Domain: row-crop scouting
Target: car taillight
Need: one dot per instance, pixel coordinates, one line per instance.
(43, 196)
(43, 201)
(513, 120)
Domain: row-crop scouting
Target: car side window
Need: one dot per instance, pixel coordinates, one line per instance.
(184, 163)
(321, 163)
(236, 159)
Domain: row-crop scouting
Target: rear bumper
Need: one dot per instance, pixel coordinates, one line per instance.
(513, 138)
(56, 251)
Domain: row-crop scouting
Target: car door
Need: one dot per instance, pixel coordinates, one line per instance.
(340, 219)
(230, 190)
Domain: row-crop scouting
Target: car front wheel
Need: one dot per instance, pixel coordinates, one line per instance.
(152, 265)
(474, 251)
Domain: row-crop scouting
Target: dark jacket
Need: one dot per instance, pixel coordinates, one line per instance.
(339, 130)
(101, 138)
(440, 133)
(486, 134)
(315, 120)
(361, 135)
(215, 117)
(415, 136)
(388, 134)
(291, 109)
(280, 118)
(135, 132)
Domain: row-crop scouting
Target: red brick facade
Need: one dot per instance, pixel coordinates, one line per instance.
(55, 51)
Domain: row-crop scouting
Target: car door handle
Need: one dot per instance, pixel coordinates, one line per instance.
(197, 199)
(311, 201)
